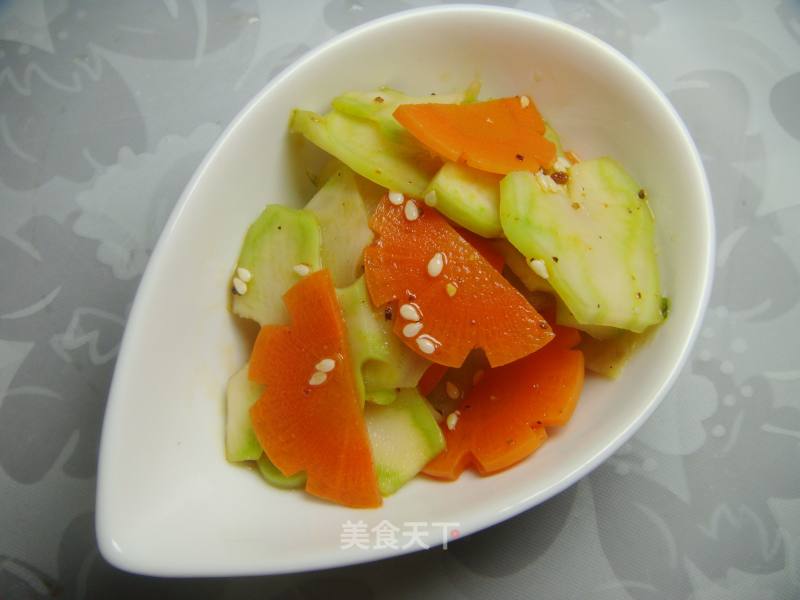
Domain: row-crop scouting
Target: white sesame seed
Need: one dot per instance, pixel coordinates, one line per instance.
(524, 101)
(561, 164)
(452, 390)
(240, 286)
(412, 329)
(427, 344)
(430, 198)
(452, 420)
(244, 274)
(411, 211)
(326, 365)
(318, 378)
(301, 269)
(396, 198)
(410, 312)
(451, 288)
(478, 376)
(546, 183)
(538, 266)
(436, 264)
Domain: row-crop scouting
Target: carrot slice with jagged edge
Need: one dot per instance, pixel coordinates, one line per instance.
(503, 419)
(320, 428)
(467, 305)
(498, 136)
(434, 374)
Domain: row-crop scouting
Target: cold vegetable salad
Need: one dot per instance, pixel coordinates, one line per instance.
(435, 304)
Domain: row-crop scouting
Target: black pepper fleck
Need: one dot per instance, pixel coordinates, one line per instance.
(555, 258)
(387, 313)
(520, 157)
(642, 194)
(379, 99)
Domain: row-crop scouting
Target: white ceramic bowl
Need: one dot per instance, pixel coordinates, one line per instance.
(168, 503)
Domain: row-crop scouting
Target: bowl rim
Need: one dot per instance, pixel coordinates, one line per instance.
(472, 524)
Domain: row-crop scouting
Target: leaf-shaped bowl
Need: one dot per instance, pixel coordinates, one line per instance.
(168, 502)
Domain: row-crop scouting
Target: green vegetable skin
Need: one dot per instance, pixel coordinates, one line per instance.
(384, 363)
(273, 476)
(404, 437)
(344, 224)
(608, 357)
(278, 239)
(602, 235)
(551, 135)
(519, 266)
(379, 106)
(240, 440)
(371, 193)
(468, 197)
(405, 167)
(598, 332)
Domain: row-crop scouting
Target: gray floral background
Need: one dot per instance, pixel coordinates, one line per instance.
(107, 107)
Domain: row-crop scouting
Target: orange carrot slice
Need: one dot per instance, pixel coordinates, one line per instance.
(434, 374)
(485, 247)
(305, 423)
(467, 305)
(503, 419)
(498, 136)
(566, 337)
(431, 378)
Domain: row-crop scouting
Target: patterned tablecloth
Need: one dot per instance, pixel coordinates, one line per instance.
(106, 109)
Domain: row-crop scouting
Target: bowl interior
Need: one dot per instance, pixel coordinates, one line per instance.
(168, 502)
